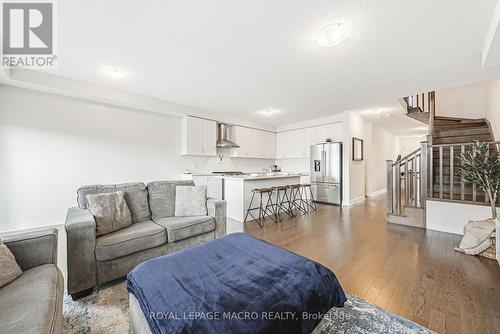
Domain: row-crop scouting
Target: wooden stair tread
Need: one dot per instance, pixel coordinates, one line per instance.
(482, 130)
(461, 139)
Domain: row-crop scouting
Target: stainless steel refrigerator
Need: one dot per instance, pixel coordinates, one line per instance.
(326, 172)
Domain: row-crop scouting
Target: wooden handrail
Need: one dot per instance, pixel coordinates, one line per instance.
(406, 157)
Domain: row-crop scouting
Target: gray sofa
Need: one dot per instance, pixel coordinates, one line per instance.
(33, 302)
(155, 231)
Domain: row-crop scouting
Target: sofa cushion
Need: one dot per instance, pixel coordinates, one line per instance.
(136, 197)
(162, 197)
(9, 269)
(191, 201)
(179, 228)
(132, 239)
(33, 302)
(110, 211)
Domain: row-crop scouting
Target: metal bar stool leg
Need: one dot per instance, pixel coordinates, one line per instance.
(260, 211)
(300, 199)
(309, 202)
(270, 204)
(283, 202)
(250, 209)
(296, 199)
(289, 197)
(303, 199)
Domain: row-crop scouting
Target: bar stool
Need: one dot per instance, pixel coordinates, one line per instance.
(282, 203)
(262, 210)
(296, 197)
(310, 203)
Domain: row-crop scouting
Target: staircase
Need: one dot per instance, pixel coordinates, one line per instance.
(431, 172)
(449, 137)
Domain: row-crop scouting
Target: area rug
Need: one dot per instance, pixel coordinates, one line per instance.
(106, 312)
(360, 316)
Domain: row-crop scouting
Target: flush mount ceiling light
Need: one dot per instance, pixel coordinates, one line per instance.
(332, 34)
(113, 72)
(268, 112)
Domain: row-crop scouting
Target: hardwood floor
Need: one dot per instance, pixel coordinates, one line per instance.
(409, 271)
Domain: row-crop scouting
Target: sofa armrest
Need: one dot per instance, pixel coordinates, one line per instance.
(217, 209)
(81, 240)
(33, 249)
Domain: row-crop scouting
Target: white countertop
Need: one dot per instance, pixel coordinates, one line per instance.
(263, 177)
(280, 174)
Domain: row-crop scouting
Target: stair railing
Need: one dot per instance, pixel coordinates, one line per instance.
(449, 187)
(414, 178)
(423, 102)
(407, 181)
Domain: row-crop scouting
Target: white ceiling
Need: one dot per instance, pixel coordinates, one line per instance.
(236, 57)
(393, 119)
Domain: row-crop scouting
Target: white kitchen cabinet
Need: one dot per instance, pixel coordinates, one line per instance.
(199, 136)
(280, 145)
(321, 133)
(253, 143)
(297, 143)
(308, 140)
(283, 145)
(267, 144)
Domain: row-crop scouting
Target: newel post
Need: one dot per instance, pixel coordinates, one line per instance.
(424, 170)
(390, 187)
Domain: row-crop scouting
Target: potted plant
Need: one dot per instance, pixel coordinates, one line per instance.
(480, 165)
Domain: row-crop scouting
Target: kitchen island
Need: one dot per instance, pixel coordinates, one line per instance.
(238, 190)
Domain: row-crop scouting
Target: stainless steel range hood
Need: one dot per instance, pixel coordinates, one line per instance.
(222, 137)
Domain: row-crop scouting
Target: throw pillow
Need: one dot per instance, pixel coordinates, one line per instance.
(9, 269)
(110, 211)
(191, 201)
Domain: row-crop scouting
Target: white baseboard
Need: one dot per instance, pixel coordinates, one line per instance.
(354, 201)
(377, 193)
(32, 225)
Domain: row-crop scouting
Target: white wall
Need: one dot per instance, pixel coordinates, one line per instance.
(51, 145)
(467, 101)
(354, 171)
(493, 107)
(478, 100)
(380, 147)
(451, 217)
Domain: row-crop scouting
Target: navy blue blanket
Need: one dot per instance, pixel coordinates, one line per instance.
(236, 284)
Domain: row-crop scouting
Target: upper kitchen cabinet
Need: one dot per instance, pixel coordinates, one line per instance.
(199, 136)
(253, 143)
(267, 144)
(290, 144)
(297, 143)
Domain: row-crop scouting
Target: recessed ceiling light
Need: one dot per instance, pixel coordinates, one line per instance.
(268, 112)
(113, 72)
(332, 34)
